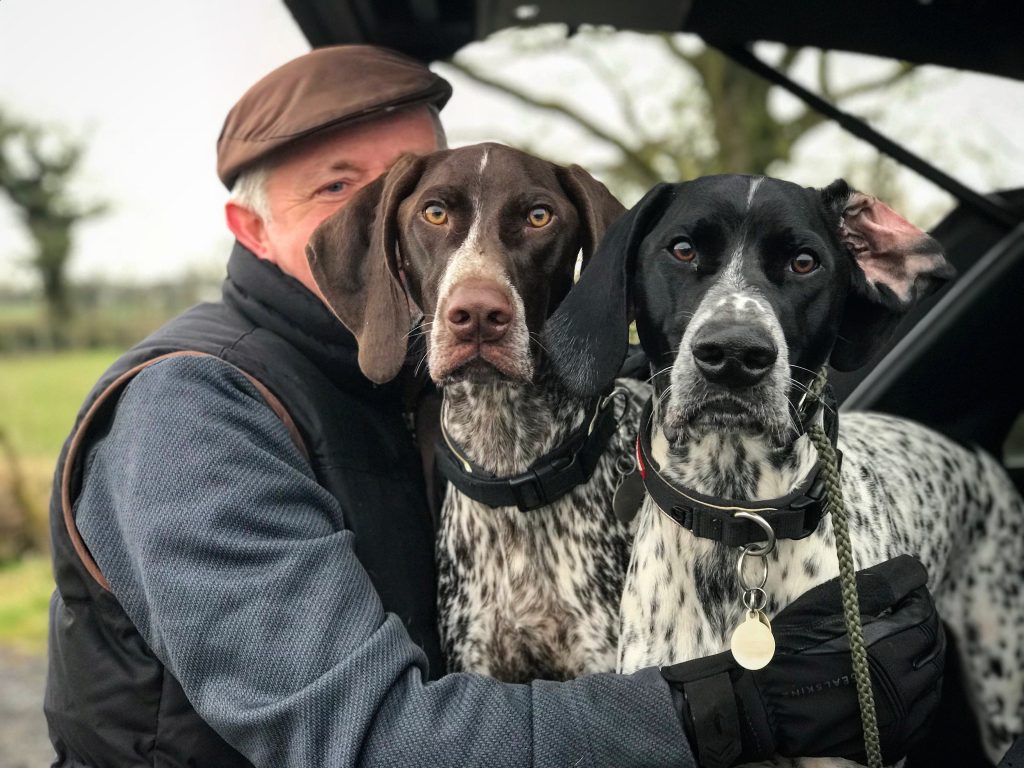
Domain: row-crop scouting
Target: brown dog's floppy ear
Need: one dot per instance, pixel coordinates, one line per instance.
(894, 265)
(587, 336)
(353, 255)
(597, 207)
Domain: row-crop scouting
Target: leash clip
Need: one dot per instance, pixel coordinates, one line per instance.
(604, 403)
(814, 391)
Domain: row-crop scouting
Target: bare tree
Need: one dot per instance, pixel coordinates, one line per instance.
(36, 169)
(721, 116)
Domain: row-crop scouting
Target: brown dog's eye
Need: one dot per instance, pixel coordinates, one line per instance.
(539, 216)
(804, 263)
(435, 214)
(683, 250)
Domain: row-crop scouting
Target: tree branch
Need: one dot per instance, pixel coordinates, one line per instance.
(824, 85)
(788, 59)
(635, 161)
(797, 127)
(622, 95)
(901, 72)
(675, 50)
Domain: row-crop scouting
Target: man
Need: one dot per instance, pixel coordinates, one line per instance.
(242, 544)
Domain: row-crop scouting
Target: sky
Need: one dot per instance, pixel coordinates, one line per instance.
(148, 84)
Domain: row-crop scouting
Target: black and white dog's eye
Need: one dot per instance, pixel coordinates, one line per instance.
(804, 263)
(683, 250)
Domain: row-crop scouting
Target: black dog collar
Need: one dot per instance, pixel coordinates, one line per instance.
(548, 479)
(794, 516)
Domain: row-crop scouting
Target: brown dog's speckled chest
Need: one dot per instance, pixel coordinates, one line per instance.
(526, 595)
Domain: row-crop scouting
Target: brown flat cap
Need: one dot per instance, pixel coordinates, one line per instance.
(323, 89)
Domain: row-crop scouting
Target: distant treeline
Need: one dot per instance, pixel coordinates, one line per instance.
(102, 314)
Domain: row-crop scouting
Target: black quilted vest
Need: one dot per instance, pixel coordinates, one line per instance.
(109, 701)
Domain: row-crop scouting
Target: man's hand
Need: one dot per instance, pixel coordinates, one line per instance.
(804, 703)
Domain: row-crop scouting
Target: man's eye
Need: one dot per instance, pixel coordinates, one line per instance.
(335, 188)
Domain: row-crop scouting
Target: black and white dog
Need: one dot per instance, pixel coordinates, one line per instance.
(484, 240)
(743, 288)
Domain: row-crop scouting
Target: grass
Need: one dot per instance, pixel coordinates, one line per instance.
(20, 312)
(25, 588)
(41, 393)
(39, 397)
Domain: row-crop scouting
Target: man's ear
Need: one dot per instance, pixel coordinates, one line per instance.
(893, 266)
(597, 207)
(587, 336)
(247, 226)
(353, 256)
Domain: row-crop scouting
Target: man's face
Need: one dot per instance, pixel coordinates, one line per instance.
(318, 177)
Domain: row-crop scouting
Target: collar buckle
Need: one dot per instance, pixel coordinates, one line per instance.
(528, 491)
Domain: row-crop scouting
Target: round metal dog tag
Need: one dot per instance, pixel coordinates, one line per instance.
(628, 497)
(752, 644)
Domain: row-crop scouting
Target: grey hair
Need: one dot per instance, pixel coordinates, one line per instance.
(250, 189)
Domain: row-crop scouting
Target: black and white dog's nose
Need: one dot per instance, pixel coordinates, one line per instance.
(734, 355)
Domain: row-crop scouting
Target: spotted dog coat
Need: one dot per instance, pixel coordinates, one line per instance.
(531, 594)
(715, 278)
(487, 239)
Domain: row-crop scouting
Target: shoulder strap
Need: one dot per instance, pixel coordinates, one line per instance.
(104, 398)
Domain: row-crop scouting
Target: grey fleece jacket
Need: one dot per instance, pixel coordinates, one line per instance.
(225, 553)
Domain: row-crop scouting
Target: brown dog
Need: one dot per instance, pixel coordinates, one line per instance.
(484, 240)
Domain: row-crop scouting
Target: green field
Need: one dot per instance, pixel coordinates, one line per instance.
(39, 397)
(41, 393)
(21, 312)
(25, 588)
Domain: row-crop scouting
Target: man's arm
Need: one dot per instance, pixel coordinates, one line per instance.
(231, 561)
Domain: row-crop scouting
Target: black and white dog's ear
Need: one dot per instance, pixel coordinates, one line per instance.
(353, 255)
(588, 334)
(597, 207)
(894, 265)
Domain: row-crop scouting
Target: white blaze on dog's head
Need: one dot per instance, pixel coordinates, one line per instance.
(476, 264)
(732, 309)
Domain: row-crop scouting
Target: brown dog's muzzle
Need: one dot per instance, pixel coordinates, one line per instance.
(478, 312)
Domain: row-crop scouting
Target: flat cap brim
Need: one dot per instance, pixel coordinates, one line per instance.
(319, 91)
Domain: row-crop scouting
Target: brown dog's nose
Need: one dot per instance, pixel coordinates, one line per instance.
(478, 310)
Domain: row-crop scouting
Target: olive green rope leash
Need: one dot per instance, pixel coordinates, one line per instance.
(847, 579)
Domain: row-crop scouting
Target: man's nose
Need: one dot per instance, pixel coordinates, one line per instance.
(478, 310)
(734, 355)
